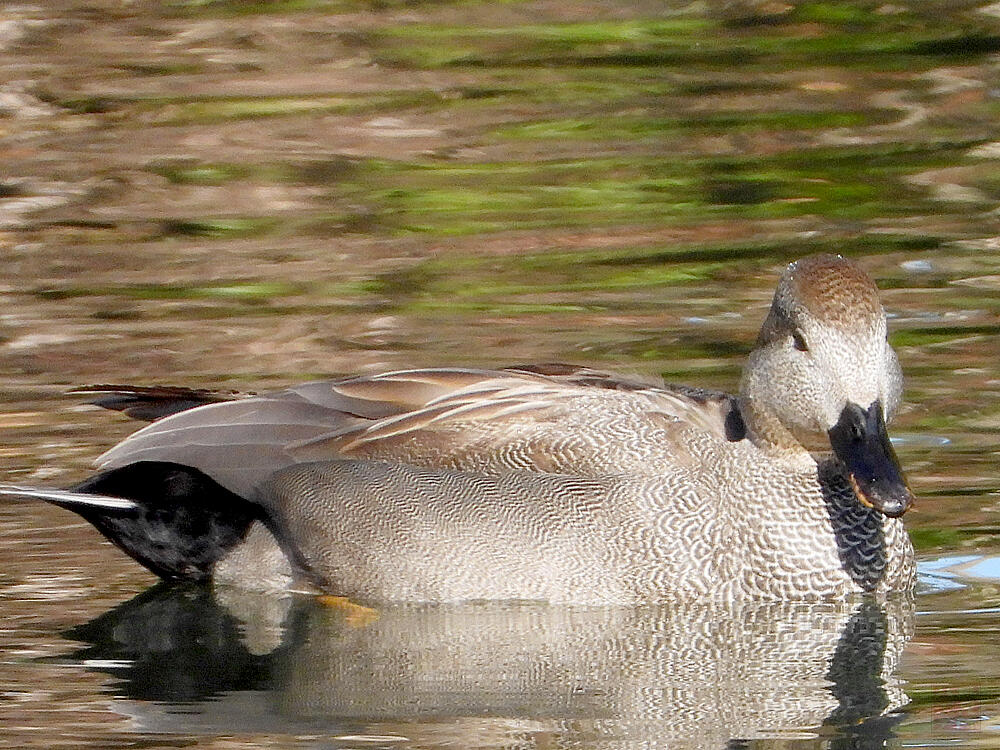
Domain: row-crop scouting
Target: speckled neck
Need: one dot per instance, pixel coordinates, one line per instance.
(767, 433)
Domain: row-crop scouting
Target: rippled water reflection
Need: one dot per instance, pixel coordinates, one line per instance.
(500, 675)
(247, 195)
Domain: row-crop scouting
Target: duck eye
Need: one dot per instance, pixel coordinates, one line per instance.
(799, 341)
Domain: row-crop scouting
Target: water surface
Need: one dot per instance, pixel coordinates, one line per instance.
(247, 195)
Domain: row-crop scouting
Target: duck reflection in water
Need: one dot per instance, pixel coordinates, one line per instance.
(504, 675)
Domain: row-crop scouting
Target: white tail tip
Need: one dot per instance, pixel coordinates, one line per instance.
(68, 497)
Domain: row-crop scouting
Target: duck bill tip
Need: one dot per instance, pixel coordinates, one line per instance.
(893, 504)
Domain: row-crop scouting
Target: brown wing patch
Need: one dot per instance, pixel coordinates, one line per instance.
(411, 388)
(363, 436)
(587, 377)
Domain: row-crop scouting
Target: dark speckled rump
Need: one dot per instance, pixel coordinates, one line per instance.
(548, 481)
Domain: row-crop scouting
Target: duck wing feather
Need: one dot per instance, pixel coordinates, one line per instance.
(552, 418)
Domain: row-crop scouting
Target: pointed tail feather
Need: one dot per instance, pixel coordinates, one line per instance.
(150, 403)
(68, 497)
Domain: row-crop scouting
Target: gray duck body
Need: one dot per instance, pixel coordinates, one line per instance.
(373, 530)
(568, 485)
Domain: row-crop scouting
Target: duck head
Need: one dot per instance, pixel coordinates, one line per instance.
(823, 378)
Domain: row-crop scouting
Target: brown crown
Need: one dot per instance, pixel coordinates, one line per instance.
(836, 290)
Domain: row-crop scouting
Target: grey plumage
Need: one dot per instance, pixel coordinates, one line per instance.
(572, 485)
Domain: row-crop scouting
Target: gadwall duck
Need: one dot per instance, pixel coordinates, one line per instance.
(535, 483)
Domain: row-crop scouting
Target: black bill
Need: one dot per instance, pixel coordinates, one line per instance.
(861, 441)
